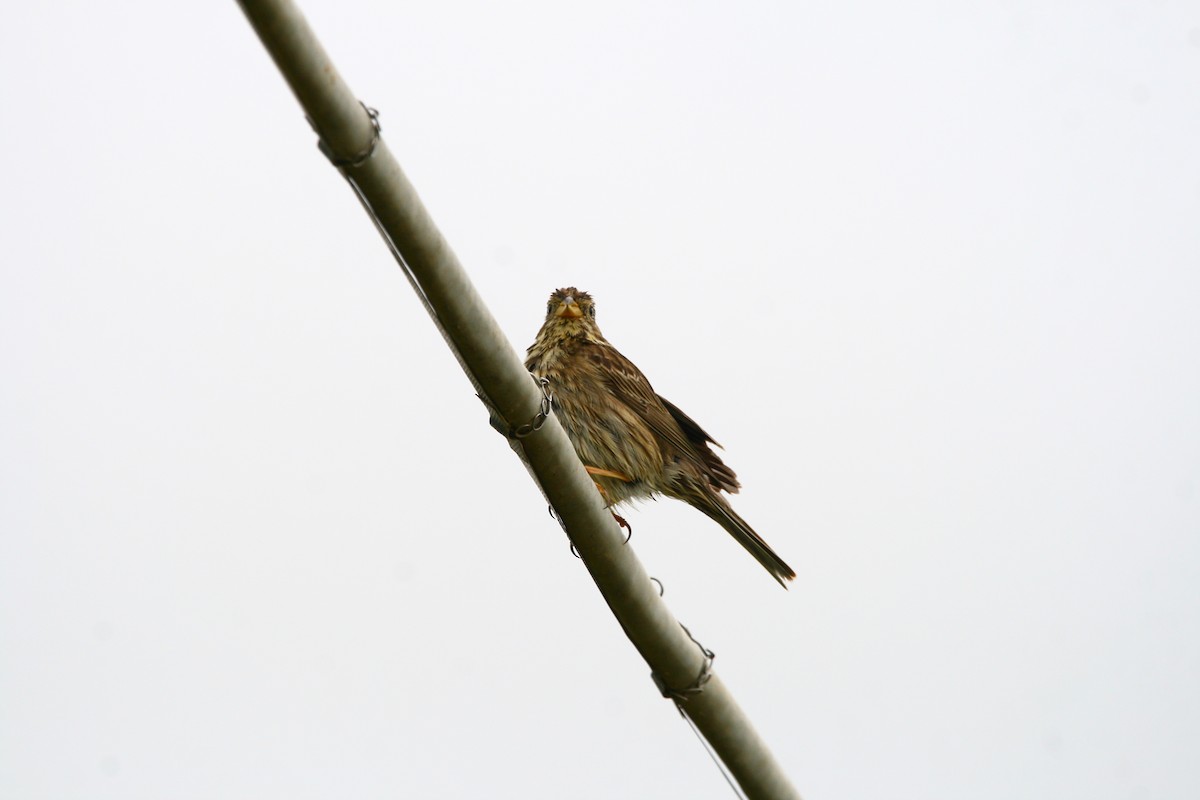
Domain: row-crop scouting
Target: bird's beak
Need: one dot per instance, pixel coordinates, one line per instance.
(569, 309)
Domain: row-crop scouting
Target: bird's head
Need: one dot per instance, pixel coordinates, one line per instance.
(570, 307)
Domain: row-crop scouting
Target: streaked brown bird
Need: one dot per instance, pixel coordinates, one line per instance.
(634, 443)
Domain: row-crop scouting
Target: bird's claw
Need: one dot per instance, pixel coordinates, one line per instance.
(621, 521)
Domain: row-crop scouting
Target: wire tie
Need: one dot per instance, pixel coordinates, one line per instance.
(539, 419)
(681, 696)
(350, 162)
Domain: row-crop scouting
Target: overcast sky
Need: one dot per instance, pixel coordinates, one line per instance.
(930, 272)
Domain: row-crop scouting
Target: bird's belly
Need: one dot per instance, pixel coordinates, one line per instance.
(613, 443)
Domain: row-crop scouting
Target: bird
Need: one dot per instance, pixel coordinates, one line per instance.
(634, 443)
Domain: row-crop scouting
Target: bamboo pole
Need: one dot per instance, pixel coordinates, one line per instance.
(348, 136)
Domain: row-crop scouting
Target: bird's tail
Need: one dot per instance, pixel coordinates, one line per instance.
(718, 509)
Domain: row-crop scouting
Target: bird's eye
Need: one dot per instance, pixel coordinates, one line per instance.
(592, 312)
(549, 308)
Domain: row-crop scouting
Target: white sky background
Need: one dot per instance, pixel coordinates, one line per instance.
(930, 273)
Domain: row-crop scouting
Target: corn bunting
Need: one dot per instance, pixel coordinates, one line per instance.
(632, 442)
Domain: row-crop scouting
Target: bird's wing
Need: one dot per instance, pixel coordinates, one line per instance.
(673, 427)
(690, 427)
(630, 386)
(718, 472)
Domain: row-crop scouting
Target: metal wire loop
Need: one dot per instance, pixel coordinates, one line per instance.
(539, 419)
(661, 589)
(697, 686)
(355, 160)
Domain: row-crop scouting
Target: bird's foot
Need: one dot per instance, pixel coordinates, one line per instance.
(608, 473)
(620, 476)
